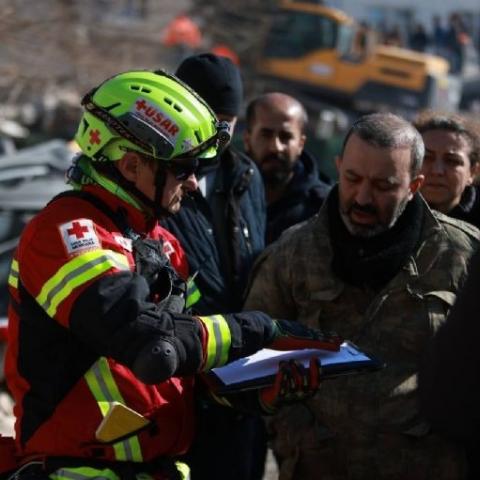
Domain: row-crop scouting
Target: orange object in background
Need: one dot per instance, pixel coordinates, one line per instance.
(223, 50)
(182, 30)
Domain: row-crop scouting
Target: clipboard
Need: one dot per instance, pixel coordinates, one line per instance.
(259, 370)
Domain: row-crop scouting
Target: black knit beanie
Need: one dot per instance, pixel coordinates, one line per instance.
(216, 79)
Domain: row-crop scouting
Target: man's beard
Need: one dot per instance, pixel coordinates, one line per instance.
(280, 174)
(368, 231)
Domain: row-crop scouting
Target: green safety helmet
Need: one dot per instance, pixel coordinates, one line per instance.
(153, 113)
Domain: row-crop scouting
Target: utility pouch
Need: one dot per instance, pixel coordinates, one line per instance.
(153, 265)
(120, 422)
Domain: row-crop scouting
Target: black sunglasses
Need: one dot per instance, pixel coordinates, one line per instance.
(181, 169)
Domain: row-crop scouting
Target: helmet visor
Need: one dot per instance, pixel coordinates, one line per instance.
(218, 141)
(161, 145)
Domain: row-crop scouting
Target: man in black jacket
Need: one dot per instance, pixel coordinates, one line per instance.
(275, 139)
(221, 227)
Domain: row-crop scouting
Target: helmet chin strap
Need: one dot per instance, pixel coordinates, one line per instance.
(155, 205)
(160, 181)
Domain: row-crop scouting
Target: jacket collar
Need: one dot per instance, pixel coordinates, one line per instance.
(235, 169)
(135, 218)
(305, 179)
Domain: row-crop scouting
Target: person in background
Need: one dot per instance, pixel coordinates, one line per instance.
(380, 268)
(439, 36)
(183, 36)
(457, 39)
(419, 39)
(275, 139)
(222, 227)
(452, 154)
(223, 50)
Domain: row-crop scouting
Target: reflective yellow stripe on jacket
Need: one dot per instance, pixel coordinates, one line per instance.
(193, 293)
(103, 387)
(13, 276)
(83, 473)
(89, 473)
(219, 341)
(77, 272)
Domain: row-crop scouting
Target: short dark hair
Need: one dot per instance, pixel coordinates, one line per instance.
(452, 122)
(264, 100)
(386, 130)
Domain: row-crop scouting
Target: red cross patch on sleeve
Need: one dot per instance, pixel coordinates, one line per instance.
(79, 235)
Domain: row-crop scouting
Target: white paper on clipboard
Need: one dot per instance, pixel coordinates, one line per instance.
(265, 362)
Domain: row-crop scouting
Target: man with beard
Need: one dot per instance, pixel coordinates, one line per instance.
(275, 139)
(380, 268)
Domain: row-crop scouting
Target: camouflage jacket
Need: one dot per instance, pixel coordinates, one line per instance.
(365, 426)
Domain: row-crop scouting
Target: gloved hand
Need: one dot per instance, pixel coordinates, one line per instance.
(293, 383)
(295, 336)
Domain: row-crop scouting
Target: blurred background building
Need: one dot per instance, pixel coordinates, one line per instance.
(53, 51)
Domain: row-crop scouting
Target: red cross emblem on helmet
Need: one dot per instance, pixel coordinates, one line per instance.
(94, 137)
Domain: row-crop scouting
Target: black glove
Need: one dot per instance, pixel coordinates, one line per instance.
(295, 336)
(167, 289)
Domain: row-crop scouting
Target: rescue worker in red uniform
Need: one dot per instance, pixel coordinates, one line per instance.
(101, 356)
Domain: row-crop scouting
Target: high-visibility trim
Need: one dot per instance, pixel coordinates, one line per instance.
(193, 293)
(221, 400)
(219, 341)
(77, 272)
(113, 187)
(183, 470)
(84, 473)
(13, 276)
(103, 387)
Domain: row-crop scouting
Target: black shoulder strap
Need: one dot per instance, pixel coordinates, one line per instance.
(118, 217)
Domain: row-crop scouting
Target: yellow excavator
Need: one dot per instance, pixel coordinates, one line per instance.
(320, 54)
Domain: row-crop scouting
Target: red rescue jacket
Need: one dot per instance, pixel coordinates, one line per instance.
(76, 324)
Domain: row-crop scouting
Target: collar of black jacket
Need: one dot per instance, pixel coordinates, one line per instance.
(467, 201)
(234, 173)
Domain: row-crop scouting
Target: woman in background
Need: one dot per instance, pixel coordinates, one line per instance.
(452, 154)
